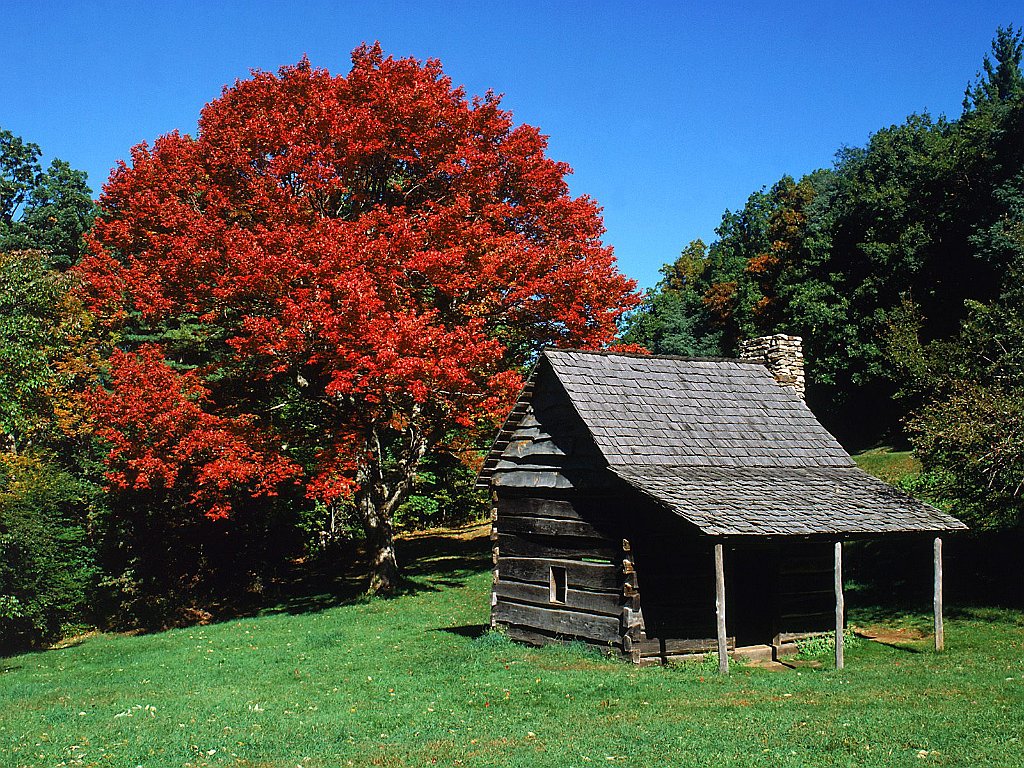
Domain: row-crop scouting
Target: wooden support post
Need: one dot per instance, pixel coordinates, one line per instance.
(723, 650)
(840, 605)
(940, 640)
(494, 556)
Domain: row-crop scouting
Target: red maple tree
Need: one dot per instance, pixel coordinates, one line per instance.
(367, 261)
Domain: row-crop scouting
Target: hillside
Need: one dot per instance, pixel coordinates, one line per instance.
(411, 681)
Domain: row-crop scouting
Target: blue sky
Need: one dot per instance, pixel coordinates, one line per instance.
(668, 112)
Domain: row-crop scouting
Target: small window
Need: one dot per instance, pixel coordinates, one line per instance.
(557, 585)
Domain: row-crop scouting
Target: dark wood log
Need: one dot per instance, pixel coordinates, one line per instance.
(536, 637)
(605, 603)
(595, 577)
(571, 548)
(808, 598)
(790, 637)
(603, 629)
(654, 646)
(813, 623)
(723, 650)
(940, 639)
(805, 568)
(840, 607)
(580, 507)
(684, 611)
(807, 581)
(522, 479)
(539, 449)
(807, 602)
(632, 624)
(809, 615)
(530, 636)
(534, 507)
(545, 526)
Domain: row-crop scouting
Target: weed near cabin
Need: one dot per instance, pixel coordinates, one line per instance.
(818, 646)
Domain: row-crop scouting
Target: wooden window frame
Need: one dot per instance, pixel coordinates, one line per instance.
(558, 585)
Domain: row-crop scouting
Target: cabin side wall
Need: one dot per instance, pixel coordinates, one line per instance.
(559, 575)
(559, 565)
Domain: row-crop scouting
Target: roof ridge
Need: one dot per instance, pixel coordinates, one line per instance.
(640, 356)
(655, 467)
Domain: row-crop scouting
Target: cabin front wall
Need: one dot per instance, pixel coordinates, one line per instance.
(806, 591)
(777, 591)
(675, 580)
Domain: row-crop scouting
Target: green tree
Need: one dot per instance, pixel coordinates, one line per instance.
(673, 319)
(48, 569)
(1001, 80)
(43, 210)
(967, 423)
(46, 345)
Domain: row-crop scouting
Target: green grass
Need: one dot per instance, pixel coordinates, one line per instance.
(405, 682)
(889, 465)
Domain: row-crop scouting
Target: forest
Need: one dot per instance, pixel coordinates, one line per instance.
(293, 334)
(901, 268)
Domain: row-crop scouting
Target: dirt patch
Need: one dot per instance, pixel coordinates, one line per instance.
(464, 533)
(770, 664)
(890, 635)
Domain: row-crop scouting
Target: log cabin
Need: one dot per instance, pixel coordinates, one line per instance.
(667, 507)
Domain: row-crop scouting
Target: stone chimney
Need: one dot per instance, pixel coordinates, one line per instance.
(783, 356)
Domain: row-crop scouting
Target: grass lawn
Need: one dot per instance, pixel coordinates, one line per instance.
(412, 682)
(889, 465)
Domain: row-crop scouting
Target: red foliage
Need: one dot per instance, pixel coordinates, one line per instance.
(629, 349)
(381, 233)
(765, 263)
(720, 299)
(153, 419)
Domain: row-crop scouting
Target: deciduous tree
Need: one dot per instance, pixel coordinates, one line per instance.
(354, 266)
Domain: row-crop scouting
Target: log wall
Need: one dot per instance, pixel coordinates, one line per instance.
(806, 596)
(536, 535)
(555, 511)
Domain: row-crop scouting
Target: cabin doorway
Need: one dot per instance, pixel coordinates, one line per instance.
(751, 593)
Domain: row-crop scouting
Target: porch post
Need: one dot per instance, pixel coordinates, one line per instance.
(940, 640)
(723, 650)
(840, 604)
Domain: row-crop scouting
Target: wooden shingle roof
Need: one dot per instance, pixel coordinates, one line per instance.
(721, 444)
(691, 412)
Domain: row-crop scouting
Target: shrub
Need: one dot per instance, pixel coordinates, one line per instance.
(47, 567)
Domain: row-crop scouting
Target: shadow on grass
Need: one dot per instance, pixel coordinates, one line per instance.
(890, 581)
(430, 561)
(911, 646)
(471, 631)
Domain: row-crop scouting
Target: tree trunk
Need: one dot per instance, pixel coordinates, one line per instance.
(380, 541)
(377, 499)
